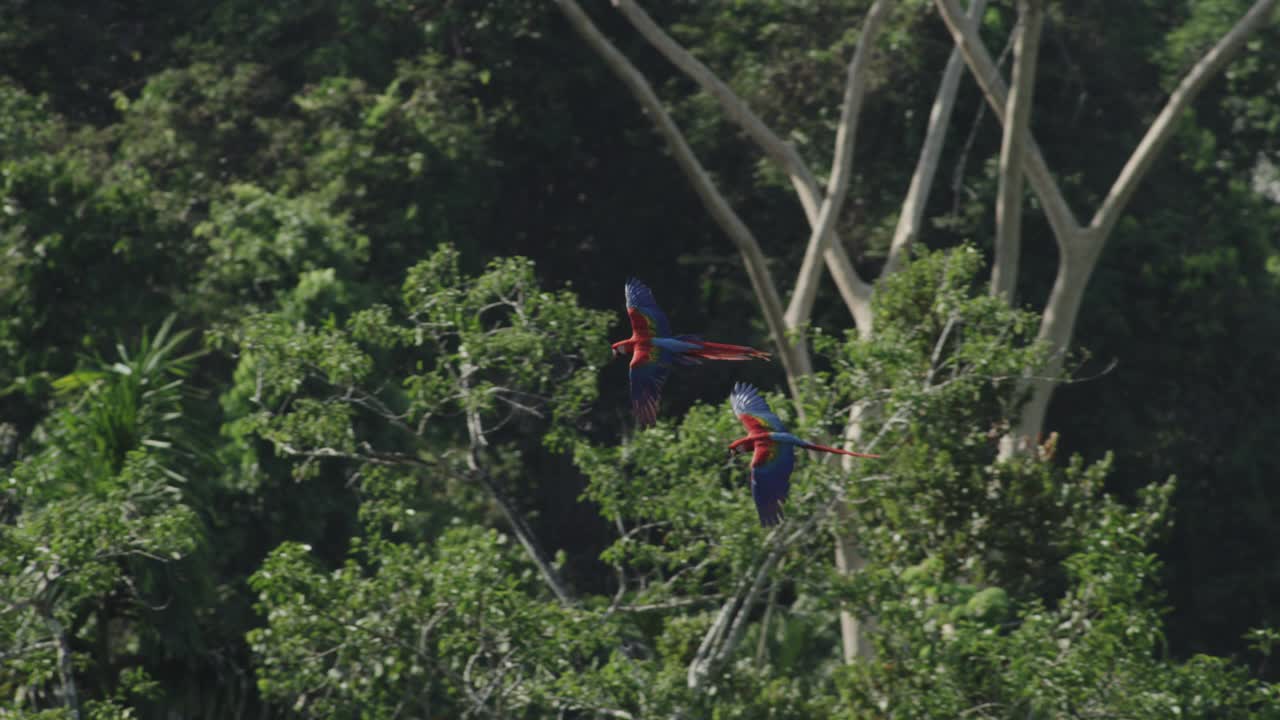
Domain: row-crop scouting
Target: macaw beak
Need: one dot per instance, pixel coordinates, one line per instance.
(617, 351)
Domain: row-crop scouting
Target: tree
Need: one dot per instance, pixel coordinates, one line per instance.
(1079, 247)
(479, 361)
(361, 532)
(87, 523)
(428, 614)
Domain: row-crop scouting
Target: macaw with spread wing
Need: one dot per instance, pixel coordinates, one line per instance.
(654, 350)
(774, 447)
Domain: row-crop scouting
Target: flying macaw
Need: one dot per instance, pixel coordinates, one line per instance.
(774, 456)
(654, 350)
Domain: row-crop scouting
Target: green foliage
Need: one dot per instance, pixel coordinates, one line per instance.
(938, 385)
(488, 350)
(64, 217)
(412, 629)
(946, 649)
(89, 520)
(262, 246)
(404, 625)
(997, 588)
(441, 512)
(26, 124)
(963, 628)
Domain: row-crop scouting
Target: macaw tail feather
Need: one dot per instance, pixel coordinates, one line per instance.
(770, 513)
(720, 351)
(838, 451)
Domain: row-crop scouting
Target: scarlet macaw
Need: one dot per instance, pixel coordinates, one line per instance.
(654, 350)
(774, 457)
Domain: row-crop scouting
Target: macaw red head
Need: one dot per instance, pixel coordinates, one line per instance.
(620, 348)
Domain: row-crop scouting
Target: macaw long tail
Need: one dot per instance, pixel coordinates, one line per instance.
(720, 351)
(838, 451)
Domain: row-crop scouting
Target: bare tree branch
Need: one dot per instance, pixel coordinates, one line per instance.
(522, 530)
(1008, 244)
(1162, 127)
(912, 214)
(367, 454)
(762, 645)
(698, 669)
(853, 289)
(734, 636)
(528, 540)
(21, 650)
(66, 674)
(957, 174)
(720, 642)
(669, 605)
(855, 86)
(1079, 246)
(965, 34)
(795, 356)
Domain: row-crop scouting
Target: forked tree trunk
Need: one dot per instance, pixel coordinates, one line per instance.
(855, 631)
(1080, 246)
(1057, 323)
(821, 212)
(855, 291)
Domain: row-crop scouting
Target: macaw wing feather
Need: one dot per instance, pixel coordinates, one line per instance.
(753, 411)
(649, 369)
(771, 467)
(647, 319)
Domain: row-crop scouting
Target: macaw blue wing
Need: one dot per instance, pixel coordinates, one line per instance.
(647, 319)
(650, 366)
(771, 468)
(753, 411)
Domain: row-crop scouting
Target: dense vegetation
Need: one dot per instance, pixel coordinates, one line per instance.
(306, 407)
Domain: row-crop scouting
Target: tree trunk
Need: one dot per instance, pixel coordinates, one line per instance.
(1057, 324)
(854, 630)
(1008, 244)
(855, 640)
(1079, 247)
(66, 673)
